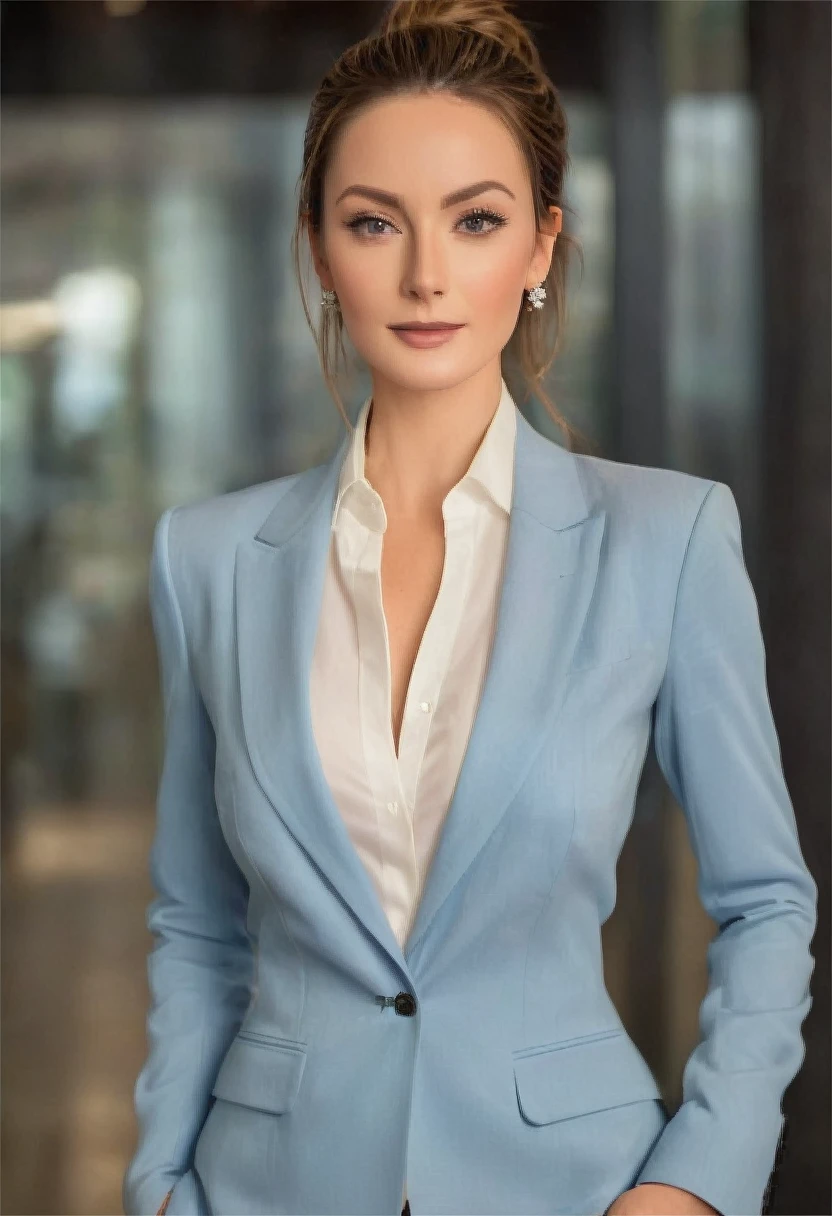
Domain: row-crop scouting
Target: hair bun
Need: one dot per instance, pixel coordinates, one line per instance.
(493, 18)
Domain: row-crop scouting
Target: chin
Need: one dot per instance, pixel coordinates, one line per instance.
(417, 370)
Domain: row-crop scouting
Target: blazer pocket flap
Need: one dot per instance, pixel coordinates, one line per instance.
(263, 1075)
(562, 1080)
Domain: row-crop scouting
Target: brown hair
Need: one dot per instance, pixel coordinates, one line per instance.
(479, 51)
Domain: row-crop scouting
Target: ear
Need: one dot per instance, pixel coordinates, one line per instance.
(315, 244)
(544, 247)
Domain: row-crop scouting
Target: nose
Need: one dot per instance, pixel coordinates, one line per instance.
(426, 271)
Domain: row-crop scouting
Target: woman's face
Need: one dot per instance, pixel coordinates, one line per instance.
(468, 261)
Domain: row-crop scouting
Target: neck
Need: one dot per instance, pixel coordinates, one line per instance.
(419, 444)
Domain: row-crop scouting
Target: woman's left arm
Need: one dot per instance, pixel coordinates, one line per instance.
(718, 749)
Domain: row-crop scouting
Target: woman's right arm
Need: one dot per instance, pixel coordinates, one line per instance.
(200, 968)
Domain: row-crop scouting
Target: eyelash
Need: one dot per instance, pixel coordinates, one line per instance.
(484, 213)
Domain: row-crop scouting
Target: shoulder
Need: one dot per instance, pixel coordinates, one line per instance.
(654, 517)
(665, 530)
(643, 495)
(634, 498)
(206, 532)
(195, 545)
(656, 510)
(660, 522)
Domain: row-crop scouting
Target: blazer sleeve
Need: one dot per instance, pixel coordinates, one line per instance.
(718, 749)
(200, 966)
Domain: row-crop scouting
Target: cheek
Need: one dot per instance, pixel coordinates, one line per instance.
(494, 287)
(363, 290)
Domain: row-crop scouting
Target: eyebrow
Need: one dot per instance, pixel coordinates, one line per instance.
(448, 200)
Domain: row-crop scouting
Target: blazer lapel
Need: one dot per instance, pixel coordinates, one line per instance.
(550, 572)
(549, 576)
(279, 580)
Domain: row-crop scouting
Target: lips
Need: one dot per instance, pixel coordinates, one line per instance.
(427, 327)
(426, 337)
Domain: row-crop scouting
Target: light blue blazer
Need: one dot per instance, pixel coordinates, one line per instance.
(299, 1060)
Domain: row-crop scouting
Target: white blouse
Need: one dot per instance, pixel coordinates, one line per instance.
(394, 807)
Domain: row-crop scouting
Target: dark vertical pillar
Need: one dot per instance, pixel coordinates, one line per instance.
(636, 106)
(790, 45)
(636, 102)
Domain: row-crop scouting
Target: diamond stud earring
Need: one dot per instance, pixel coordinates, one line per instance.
(535, 296)
(328, 298)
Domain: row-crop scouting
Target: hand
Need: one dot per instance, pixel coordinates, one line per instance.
(657, 1199)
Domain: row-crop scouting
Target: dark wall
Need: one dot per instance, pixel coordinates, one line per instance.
(75, 48)
(790, 59)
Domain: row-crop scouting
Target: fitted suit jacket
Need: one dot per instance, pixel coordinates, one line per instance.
(300, 1060)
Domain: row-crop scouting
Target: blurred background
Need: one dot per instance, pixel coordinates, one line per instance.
(154, 351)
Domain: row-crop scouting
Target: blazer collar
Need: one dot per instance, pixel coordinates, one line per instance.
(491, 470)
(545, 481)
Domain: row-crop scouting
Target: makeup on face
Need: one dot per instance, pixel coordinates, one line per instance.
(452, 243)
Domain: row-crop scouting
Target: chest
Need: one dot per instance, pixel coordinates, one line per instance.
(412, 562)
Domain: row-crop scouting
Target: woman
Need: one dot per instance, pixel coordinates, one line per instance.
(408, 697)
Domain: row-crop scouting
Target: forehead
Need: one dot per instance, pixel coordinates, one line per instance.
(427, 144)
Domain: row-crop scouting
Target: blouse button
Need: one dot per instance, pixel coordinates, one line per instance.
(425, 706)
(393, 808)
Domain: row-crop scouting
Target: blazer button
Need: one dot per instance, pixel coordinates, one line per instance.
(405, 1004)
